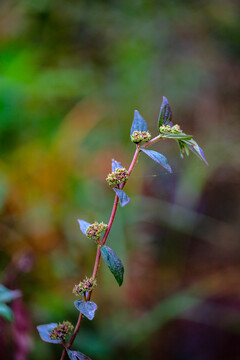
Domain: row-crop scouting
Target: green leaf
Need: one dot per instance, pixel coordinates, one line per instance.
(123, 198)
(77, 355)
(179, 136)
(159, 158)
(87, 308)
(6, 312)
(139, 124)
(165, 115)
(44, 332)
(115, 165)
(183, 149)
(114, 263)
(7, 295)
(83, 225)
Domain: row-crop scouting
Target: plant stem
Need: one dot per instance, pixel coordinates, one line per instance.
(63, 354)
(97, 259)
(150, 142)
(80, 317)
(115, 204)
(75, 330)
(104, 239)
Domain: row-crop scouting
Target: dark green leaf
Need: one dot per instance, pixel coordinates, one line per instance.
(6, 312)
(7, 295)
(114, 263)
(87, 308)
(76, 355)
(139, 124)
(83, 226)
(165, 115)
(123, 198)
(159, 158)
(115, 165)
(183, 148)
(44, 332)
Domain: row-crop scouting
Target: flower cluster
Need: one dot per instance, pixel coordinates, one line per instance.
(61, 330)
(84, 286)
(94, 230)
(170, 129)
(117, 177)
(138, 136)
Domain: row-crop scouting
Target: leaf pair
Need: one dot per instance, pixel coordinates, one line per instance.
(185, 141)
(139, 124)
(112, 260)
(44, 332)
(186, 145)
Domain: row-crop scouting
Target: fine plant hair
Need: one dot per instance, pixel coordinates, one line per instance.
(65, 333)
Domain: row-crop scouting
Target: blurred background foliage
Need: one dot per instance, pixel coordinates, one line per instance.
(71, 74)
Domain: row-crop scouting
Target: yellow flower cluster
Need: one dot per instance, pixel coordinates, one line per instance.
(170, 129)
(94, 230)
(117, 177)
(138, 136)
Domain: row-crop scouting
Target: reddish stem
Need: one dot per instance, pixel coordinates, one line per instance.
(75, 330)
(63, 354)
(150, 142)
(68, 346)
(97, 259)
(104, 239)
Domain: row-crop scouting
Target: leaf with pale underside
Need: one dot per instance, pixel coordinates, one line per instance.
(123, 198)
(77, 355)
(114, 263)
(195, 148)
(139, 124)
(87, 308)
(159, 158)
(44, 332)
(115, 165)
(83, 225)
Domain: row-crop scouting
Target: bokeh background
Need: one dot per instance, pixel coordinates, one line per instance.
(71, 74)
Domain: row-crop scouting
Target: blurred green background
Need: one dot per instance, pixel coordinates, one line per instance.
(71, 74)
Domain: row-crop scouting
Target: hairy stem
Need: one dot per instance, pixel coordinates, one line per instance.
(104, 239)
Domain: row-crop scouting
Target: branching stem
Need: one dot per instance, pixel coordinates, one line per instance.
(104, 239)
(152, 141)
